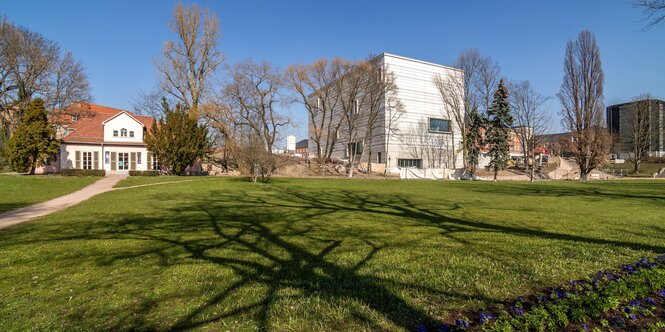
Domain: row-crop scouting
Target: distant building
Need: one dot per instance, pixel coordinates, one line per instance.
(290, 144)
(426, 133)
(302, 148)
(105, 138)
(556, 144)
(619, 124)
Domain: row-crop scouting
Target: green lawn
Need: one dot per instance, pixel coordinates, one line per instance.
(20, 190)
(150, 180)
(646, 169)
(307, 254)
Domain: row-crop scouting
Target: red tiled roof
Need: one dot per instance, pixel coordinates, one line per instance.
(90, 129)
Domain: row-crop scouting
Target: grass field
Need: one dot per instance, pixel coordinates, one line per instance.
(306, 254)
(646, 169)
(150, 180)
(19, 190)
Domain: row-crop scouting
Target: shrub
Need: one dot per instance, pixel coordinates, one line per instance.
(143, 173)
(82, 172)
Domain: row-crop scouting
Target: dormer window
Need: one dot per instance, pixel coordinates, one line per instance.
(123, 132)
(75, 117)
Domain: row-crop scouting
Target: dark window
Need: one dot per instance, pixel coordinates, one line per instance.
(115, 133)
(131, 133)
(123, 132)
(356, 148)
(439, 125)
(409, 163)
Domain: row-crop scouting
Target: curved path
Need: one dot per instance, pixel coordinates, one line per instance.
(24, 214)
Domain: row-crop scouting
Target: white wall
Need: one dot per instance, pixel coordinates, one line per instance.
(118, 123)
(421, 100)
(68, 155)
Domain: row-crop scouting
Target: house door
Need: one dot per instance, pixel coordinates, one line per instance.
(123, 161)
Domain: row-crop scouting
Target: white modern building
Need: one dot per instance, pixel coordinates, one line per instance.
(422, 135)
(106, 138)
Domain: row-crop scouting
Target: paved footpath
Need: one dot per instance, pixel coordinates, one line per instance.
(24, 214)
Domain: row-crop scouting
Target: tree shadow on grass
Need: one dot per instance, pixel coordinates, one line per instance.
(265, 238)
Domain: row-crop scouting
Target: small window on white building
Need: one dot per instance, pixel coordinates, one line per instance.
(123, 132)
(115, 133)
(138, 156)
(409, 163)
(131, 133)
(439, 125)
(107, 157)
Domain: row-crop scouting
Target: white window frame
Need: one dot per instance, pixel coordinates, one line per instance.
(86, 159)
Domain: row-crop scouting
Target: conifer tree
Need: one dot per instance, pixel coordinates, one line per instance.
(473, 139)
(33, 143)
(177, 140)
(497, 136)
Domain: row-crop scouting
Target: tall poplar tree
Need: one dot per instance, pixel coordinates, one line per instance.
(33, 143)
(497, 136)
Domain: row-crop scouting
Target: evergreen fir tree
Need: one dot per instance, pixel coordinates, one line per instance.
(33, 143)
(177, 140)
(497, 136)
(473, 139)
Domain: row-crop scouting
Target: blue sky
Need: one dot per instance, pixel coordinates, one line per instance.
(117, 40)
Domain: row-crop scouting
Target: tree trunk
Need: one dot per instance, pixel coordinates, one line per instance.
(636, 169)
(583, 174)
(533, 168)
(32, 169)
(496, 171)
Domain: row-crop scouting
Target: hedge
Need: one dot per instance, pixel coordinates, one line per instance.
(82, 172)
(143, 173)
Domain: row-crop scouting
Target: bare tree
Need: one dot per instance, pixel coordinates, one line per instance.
(254, 94)
(431, 149)
(531, 119)
(581, 97)
(476, 89)
(653, 12)
(641, 133)
(32, 66)
(250, 111)
(189, 63)
(451, 89)
(313, 85)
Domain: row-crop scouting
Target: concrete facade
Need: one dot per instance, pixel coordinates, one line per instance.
(410, 142)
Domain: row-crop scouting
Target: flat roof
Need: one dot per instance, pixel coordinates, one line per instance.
(415, 60)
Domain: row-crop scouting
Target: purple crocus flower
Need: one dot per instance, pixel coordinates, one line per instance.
(421, 328)
(650, 300)
(485, 317)
(662, 293)
(462, 322)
